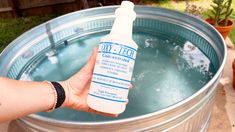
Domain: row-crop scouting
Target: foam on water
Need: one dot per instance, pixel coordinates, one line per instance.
(165, 73)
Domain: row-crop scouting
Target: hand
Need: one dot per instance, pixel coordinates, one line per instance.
(77, 87)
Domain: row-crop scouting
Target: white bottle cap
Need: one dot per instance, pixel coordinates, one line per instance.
(123, 24)
(126, 9)
(128, 5)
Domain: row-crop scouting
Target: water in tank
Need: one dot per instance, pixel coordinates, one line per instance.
(168, 69)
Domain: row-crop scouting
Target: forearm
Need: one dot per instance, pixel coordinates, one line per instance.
(20, 98)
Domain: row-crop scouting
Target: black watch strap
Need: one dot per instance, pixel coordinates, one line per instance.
(60, 94)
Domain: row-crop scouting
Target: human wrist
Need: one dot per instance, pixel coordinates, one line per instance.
(60, 92)
(66, 87)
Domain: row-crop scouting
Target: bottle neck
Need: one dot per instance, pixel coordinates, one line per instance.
(122, 28)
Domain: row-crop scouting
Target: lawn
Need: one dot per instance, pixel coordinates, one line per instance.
(12, 28)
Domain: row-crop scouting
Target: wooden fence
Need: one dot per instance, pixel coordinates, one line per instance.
(18, 8)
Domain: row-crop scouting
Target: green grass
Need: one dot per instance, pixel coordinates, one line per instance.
(12, 28)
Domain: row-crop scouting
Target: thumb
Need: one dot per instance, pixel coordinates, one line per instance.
(88, 68)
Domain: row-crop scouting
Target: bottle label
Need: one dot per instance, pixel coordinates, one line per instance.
(113, 70)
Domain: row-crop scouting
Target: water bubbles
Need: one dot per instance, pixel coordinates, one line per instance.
(156, 53)
(160, 71)
(210, 74)
(167, 41)
(133, 79)
(178, 49)
(201, 82)
(194, 58)
(152, 43)
(165, 72)
(52, 57)
(141, 76)
(157, 89)
(180, 64)
(147, 43)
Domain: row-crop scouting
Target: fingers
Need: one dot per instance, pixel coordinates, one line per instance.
(85, 74)
(127, 101)
(102, 113)
(130, 86)
(91, 62)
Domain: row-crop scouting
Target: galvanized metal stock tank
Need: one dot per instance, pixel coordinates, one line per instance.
(191, 114)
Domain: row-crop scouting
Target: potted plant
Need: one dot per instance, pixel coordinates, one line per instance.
(221, 10)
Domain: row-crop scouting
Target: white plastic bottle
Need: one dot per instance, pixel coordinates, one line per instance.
(114, 64)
